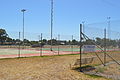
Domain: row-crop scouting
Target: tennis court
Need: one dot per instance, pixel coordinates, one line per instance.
(15, 52)
(27, 52)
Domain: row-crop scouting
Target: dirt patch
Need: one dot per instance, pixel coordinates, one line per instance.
(45, 68)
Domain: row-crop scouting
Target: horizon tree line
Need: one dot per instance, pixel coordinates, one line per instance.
(6, 40)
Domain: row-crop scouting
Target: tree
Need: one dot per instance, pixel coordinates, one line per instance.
(3, 36)
(88, 42)
(44, 41)
(54, 42)
(34, 42)
(26, 42)
(74, 42)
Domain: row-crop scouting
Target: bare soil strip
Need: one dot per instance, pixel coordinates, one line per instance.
(42, 68)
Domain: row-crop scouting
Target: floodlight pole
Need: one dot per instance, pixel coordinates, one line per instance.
(51, 22)
(23, 10)
(81, 47)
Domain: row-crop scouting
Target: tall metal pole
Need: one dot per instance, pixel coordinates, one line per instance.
(23, 10)
(104, 46)
(80, 47)
(51, 22)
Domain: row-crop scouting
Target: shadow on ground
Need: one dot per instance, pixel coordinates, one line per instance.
(86, 68)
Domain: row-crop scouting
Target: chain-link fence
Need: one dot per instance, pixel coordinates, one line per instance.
(105, 35)
(38, 44)
(106, 39)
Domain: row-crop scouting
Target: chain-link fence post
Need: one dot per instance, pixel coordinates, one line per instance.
(104, 46)
(58, 44)
(80, 47)
(19, 46)
(72, 44)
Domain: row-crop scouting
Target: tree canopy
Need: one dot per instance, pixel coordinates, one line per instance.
(3, 36)
(5, 40)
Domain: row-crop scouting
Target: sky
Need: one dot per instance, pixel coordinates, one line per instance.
(68, 14)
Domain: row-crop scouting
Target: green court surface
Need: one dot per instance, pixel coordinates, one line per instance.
(16, 51)
(69, 49)
(8, 51)
(62, 49)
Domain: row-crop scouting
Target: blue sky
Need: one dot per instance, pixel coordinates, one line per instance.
(68, 14)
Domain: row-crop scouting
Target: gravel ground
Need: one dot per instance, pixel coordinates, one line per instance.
(45, 68)
(111, 71)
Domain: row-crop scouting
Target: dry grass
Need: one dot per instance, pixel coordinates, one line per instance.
(45, 68)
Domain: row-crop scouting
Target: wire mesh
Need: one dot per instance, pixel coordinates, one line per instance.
(107, 43)
(35, 44)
